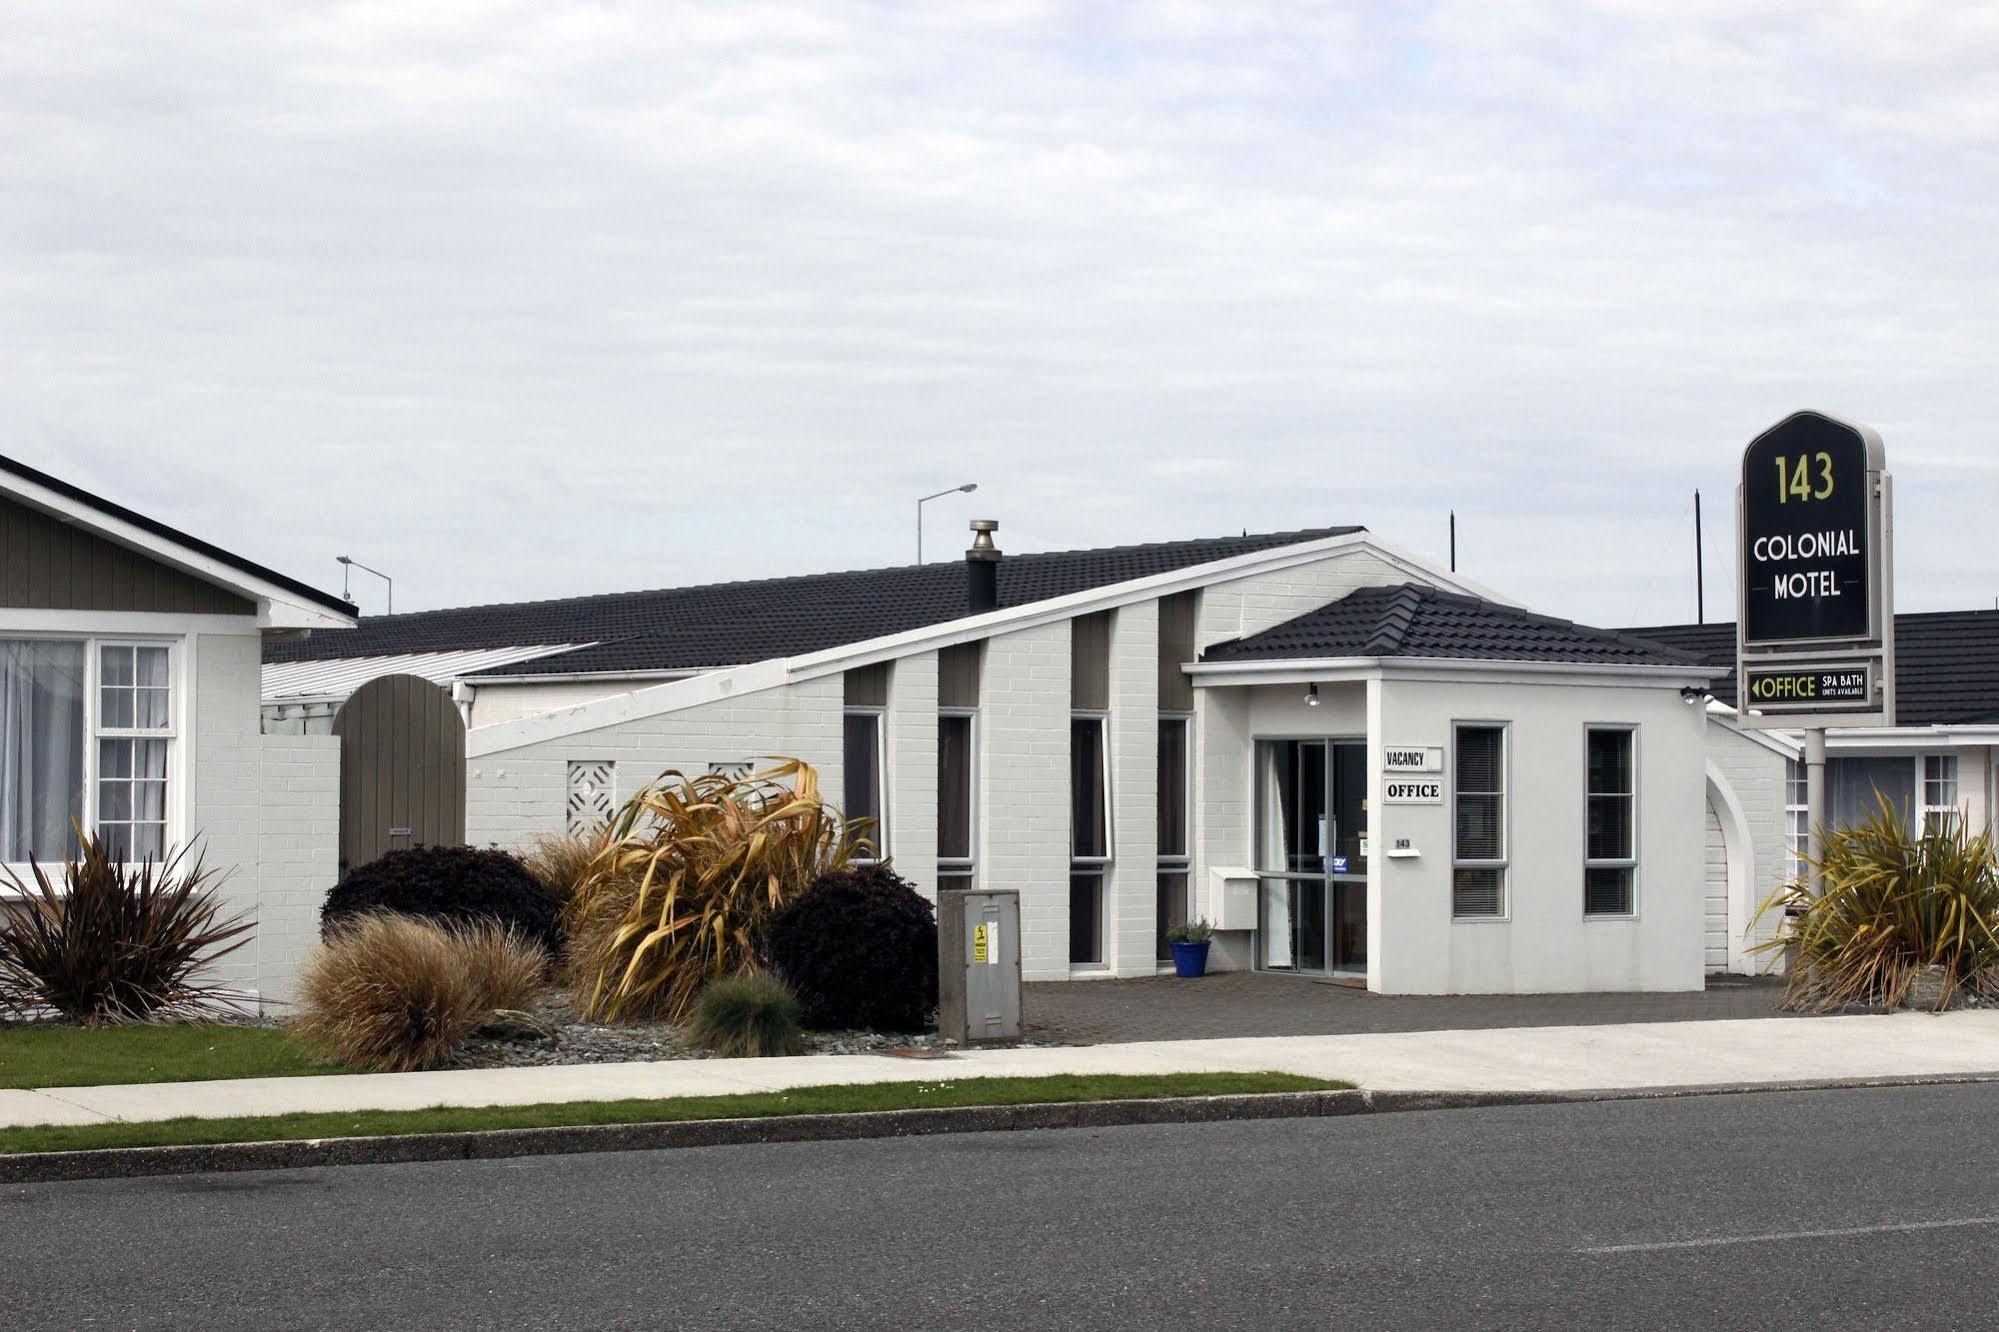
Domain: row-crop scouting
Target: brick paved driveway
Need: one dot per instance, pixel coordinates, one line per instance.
(1241, 1003)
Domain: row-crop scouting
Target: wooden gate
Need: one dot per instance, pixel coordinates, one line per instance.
(402, 769)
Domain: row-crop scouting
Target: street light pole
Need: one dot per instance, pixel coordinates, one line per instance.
(348, 563)
(965, 489)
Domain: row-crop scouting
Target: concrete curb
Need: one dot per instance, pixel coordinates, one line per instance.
(498, 1144)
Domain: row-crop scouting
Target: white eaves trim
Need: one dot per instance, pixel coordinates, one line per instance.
(1777, 742)
(1482, 670)
(277, 607)
(674, 695)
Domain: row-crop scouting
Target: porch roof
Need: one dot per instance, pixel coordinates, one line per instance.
(1418, 621)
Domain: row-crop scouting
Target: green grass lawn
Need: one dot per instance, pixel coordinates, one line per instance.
(799, 1101)
(37, 1055)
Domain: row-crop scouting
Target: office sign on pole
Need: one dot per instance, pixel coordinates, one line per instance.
(1815, 642)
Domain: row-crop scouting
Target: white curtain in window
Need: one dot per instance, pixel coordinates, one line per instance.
(41, 748)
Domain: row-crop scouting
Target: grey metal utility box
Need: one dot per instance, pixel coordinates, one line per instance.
(978, 966)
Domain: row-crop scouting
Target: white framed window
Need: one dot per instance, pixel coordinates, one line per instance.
(1610, 853)
(88, 735)
(1089, 835)
(1479, 856)
(864, 760)
(1176, 803)
(1797, 817)
(1940, 807)
(957, 798)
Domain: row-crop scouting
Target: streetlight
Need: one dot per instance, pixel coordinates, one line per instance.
(965, 489)
(347, 563)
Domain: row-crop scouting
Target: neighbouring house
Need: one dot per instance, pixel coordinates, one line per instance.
(1349, 760)
(1936, 762)
(130, 665)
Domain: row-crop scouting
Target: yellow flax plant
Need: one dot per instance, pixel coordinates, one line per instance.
(1896, 901)
(691, 872)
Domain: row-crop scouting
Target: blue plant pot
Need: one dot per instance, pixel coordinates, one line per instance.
(1190, 959)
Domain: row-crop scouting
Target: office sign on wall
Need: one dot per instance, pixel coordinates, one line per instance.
(1413, 791)
(1815, 575)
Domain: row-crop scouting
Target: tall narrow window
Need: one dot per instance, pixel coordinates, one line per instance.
(863, 769)
(134, 725)
(1610, 869)
(1479, 855)
(1940, 809)
(1797, 818)
(1174, 843)
(956, 863)
(1089, 839)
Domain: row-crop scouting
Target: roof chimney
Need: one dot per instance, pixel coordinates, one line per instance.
(982, 568)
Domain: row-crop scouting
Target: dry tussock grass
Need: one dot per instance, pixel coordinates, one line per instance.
(396, 993)
(562, 862)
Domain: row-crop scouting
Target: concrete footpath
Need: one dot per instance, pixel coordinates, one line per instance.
(1628, 1057)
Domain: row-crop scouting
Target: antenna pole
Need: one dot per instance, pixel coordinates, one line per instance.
(1700, 579)
(1454, 540)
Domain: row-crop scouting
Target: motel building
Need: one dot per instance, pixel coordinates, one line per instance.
(1352, 762)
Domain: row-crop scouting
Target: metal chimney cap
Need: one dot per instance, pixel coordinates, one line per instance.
(982, 539)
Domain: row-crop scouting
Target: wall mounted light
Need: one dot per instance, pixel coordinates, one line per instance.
(1312, 696)
(1692, 694)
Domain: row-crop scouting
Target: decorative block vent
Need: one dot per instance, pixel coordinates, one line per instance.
(736, 769)
(593, 794)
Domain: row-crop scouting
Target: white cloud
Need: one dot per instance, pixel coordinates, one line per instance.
(521, 299)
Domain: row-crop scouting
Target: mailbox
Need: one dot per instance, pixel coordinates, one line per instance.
(978, 966)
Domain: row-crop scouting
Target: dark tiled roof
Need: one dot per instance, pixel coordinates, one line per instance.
(1946, 663)
(728, 624)
(1413, 620)
(179, 538)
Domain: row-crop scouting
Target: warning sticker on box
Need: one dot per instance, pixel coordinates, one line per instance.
(985, 944)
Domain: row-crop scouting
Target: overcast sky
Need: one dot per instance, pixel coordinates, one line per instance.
(523, 299)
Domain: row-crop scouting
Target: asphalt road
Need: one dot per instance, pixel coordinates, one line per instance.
(1872, 1208)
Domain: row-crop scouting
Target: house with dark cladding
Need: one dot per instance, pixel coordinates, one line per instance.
(130, 671)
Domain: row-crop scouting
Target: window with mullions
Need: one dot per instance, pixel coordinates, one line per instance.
(1797, 818)
(1478, 848)
(1940, 809)
(1610, 865)
(86, 736)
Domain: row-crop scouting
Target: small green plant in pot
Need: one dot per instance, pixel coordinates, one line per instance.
(1189, 940)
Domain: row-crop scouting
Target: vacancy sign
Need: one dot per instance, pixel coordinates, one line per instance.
(1814, 639)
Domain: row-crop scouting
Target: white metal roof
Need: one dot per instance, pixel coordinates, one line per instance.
(336, 678)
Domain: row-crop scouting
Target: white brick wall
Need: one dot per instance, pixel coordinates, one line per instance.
(912, 770)
(223, 765)
(298, 852)
(264, 810)
(513, 795)
(1024, 788)
(1134, 740)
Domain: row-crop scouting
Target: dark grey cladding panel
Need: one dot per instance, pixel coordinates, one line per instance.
(47, 564)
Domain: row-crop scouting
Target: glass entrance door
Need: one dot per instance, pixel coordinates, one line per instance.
(1312, 855)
